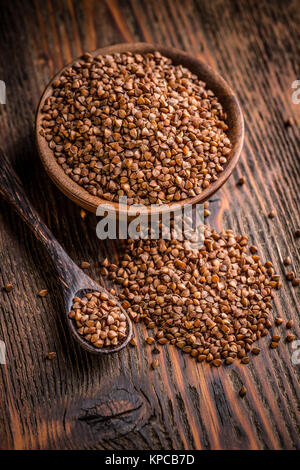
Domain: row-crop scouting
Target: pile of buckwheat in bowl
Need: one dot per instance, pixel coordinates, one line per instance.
(136, 125)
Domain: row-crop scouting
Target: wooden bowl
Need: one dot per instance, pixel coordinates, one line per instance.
(213, 81)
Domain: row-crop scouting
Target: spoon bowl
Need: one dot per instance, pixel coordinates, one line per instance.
(91, 286)
(205, 73)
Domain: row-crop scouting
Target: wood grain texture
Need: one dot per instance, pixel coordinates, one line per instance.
(78, 401)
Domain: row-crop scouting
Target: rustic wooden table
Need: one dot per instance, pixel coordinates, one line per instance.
(77, 401)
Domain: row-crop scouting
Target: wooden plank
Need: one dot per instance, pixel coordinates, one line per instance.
(81, 402)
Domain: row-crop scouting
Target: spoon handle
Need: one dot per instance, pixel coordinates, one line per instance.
(12, 190)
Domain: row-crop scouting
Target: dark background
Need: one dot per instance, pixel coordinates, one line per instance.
(81, 402)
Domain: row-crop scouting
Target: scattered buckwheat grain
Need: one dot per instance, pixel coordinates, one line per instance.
(8, 287)
(84, 265)
(43, 293)
(51, 355)
(214, 304)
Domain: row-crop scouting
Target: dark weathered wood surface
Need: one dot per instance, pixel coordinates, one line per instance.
(78, 401)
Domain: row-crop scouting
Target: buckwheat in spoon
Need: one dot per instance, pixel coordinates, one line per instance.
(95, 318)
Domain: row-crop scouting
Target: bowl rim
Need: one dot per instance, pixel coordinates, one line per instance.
(213, 81)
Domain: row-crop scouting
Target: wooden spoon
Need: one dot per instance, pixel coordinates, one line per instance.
(74, 282)
(213, 80)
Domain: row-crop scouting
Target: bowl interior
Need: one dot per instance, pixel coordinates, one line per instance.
(205, 73)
